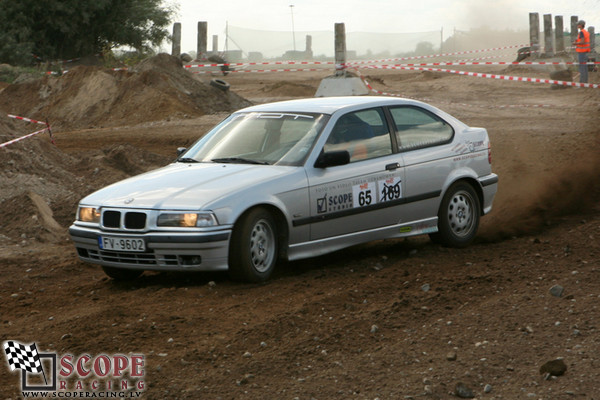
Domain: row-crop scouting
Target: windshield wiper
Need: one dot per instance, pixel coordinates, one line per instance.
(187, 160)
(238, 160)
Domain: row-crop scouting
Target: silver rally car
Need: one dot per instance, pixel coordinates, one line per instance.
(291, 180)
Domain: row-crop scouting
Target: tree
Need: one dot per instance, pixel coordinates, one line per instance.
(63, 29)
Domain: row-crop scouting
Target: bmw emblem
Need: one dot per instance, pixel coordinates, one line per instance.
(129, 200)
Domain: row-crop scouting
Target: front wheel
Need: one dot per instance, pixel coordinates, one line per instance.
(458, 217)
(253, 249)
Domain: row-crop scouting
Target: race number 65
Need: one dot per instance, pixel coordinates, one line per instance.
(364, 194)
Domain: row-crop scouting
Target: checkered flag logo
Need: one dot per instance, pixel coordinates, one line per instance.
(23, 357)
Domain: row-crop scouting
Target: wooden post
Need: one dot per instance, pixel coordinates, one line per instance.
(534, 33)
(340, 49)
(548, 36)
(559, 37)
(574, 31)
(202, 40)
(176, 47)
(592, 32)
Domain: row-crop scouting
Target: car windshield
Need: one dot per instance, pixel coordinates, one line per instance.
(259, 138)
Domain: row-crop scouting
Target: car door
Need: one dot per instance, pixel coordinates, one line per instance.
(425, 141)
(364, 193)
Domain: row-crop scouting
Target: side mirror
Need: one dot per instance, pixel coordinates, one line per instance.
(332, 159)
(180, 151)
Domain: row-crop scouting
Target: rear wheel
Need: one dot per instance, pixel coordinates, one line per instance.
(458, 217)
(253, 250)
(121, 274)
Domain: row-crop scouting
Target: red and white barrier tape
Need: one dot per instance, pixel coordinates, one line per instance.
(262, 70)
(33, 121)
(27, 119)
(436, 55)
(491, 76)
(350, 62)
(64, 71)
(22, 137)
(448, 102)
(449, 63)
(260, 63)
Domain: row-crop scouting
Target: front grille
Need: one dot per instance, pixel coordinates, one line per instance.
(111, 219)
(140, 259)
(135, 220)
(132, 220)
(122, 257)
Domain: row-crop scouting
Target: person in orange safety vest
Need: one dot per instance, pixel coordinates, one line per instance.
(582, 47)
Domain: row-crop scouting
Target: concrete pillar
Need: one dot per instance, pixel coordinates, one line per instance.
(592, 32)
(574, 30)
(548, 36)
(559, 37)
(308, 51)
(340, 49)
(176, 47)
(215, 44)
(342, 83)
(202, 40)
(534, 33)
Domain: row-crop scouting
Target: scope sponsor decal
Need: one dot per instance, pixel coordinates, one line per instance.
(360, 193)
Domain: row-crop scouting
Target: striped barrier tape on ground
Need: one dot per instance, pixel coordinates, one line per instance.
(22, 137)
(492, 76)
(33, 121)
(27, 119)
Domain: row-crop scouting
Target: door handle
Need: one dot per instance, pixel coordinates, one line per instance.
(392, 166)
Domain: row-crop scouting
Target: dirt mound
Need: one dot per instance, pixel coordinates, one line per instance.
(289, 89)
(87, 96)
(130, 159)
(35, 219)
(40, 185)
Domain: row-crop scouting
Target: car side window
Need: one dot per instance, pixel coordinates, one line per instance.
(417, 128)
(364, 134)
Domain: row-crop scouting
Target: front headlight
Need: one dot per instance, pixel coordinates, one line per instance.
(88, 214)
(187, 220)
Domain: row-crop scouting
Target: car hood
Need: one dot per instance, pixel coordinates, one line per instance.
(182, 186)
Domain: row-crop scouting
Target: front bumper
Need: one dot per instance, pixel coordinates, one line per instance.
(165, 251)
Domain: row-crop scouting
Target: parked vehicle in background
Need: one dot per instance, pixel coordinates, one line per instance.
(291, 180)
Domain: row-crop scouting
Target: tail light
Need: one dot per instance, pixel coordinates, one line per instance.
(490, 152)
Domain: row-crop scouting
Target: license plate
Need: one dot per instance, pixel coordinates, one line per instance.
(121, 244)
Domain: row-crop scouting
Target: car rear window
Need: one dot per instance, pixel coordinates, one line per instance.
(417, 128)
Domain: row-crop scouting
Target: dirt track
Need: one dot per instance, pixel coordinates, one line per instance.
(375, 321)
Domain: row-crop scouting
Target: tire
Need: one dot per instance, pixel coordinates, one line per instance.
(122, 274)
(220, 84)
(458, 217)
(254, 247)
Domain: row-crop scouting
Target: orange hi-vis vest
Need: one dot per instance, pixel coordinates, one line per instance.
(583, 46)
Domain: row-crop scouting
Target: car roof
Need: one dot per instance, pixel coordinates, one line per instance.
(329, 105)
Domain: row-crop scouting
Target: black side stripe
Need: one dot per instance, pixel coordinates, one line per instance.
(360, 210)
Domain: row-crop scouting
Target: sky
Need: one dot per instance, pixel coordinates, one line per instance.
(382, 16)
